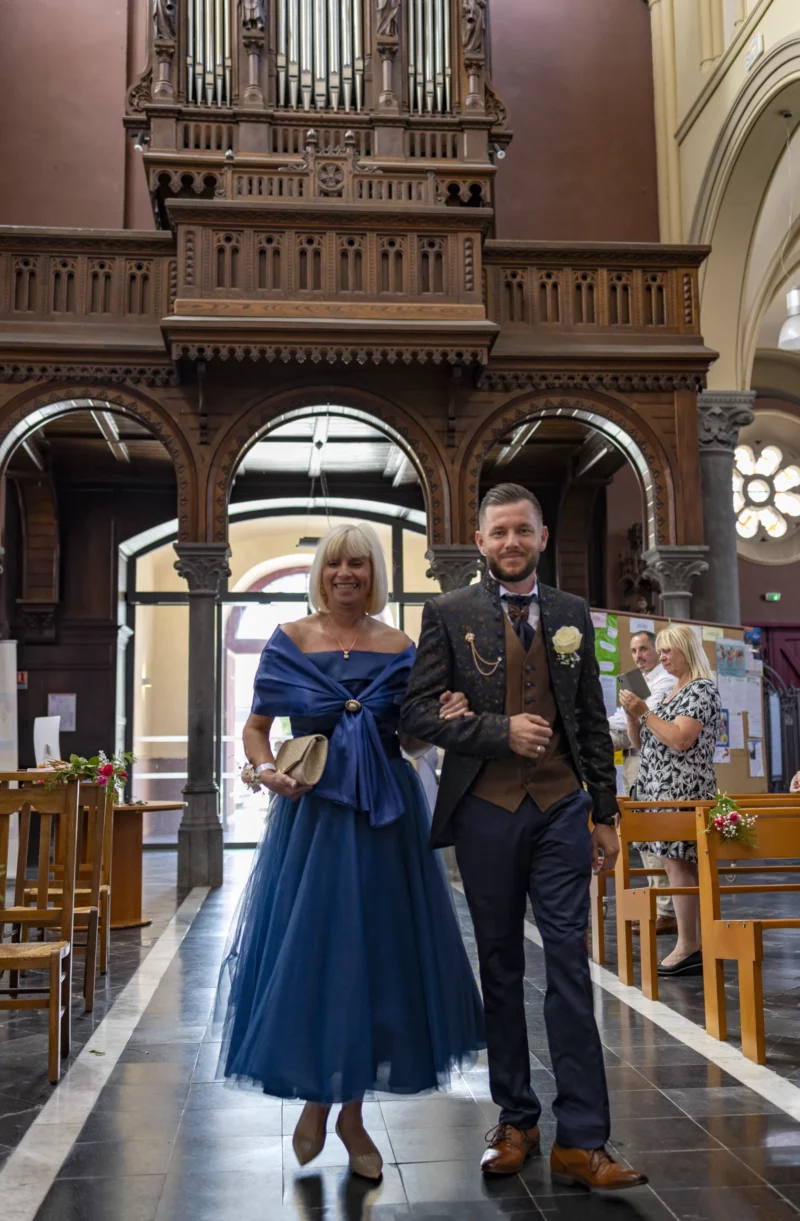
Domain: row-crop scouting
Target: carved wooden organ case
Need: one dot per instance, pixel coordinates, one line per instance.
(331, 159)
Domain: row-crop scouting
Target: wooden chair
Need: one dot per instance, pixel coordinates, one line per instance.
(598, 891)
(93, 886)
(60, 808)
(778, 838)
(643, 822)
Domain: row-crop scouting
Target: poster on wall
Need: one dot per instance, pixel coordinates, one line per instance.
(731, 659)
(606, 642)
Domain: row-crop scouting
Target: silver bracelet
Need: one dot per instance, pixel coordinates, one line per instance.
(264, 767)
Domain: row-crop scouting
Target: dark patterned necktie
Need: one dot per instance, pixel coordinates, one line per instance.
(518, 612)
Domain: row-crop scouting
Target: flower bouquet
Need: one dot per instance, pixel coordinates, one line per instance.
(100, 769)
(726, 817)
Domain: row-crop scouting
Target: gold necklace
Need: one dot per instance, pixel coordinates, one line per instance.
(346, 651)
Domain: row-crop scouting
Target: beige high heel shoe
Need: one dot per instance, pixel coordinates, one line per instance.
(365, 1165)
(307, 1145)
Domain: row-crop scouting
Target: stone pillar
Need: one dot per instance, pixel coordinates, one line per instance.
(720, 416)
(673, 570)
(454, 565)
(204, 565)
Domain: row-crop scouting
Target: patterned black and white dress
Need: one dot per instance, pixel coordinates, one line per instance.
(681, 774)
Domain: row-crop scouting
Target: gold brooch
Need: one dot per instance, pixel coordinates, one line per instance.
(481, 661)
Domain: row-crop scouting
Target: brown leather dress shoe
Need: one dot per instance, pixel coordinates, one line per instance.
(592, 1168)
(509, 1149)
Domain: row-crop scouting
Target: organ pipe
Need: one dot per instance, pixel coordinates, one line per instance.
(430, 72)
(322, 43)
(209, 58)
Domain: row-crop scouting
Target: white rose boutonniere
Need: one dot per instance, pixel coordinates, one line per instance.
(567, 642)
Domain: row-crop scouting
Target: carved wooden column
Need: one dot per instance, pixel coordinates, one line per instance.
(454, 565)
(388, 41)
(473, 39)
(253, 25)
(165, 21)
(720, 415)
(205, 566)
(673, 570)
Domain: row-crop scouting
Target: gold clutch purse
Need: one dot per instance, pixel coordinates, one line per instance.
(303, 759)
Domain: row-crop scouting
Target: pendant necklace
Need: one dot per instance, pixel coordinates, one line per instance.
(346, 651)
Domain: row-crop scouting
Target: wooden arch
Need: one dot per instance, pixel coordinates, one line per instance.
(22, 415)
(391, 419)
(616, 420)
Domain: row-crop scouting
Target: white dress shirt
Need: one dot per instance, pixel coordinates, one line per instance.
(660, 684)
(534, 611)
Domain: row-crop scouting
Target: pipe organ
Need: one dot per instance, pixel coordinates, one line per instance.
(430, 75)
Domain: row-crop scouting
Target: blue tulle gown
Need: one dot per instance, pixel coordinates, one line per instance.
(346, 971)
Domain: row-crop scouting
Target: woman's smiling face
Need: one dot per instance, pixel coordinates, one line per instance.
(347, 581)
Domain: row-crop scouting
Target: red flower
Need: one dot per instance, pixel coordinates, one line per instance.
(106, 770)
(101, 780)
(734, 817)
(123, 775)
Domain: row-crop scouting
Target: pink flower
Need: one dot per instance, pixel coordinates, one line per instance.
(107, 769)
(734, 818)
(101, 780)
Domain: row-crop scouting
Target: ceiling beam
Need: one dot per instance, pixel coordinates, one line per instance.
(32, 450)
(520, 437)
(108, 429)
(406, 473)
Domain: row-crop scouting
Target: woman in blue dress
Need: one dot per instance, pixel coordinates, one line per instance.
(346, 972)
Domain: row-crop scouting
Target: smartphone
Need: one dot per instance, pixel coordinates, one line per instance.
(635, 681)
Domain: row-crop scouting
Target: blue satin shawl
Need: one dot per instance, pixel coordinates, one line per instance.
(358, 773)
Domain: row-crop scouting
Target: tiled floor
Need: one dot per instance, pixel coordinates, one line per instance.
(166, 1141)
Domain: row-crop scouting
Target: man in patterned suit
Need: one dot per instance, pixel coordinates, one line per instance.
(512, 800)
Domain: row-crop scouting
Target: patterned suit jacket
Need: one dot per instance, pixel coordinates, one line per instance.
(445, 662)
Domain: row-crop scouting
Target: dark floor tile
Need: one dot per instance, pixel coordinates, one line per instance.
(439, 1144)
(779, 1165)
(205, 1196)
(721, 1101)
(156, 1124)
(226, 1155)
(681, 1132)
(458, 1182)
(128, 1199)
(244, 1122)
(728, 1204)
(432, 1113)
(750, 1131)
(171, 1098)
(216, 1095)
(116, 1159)
(482, 1210)
(641, 1104)
(694, 1168)
(156, 1075)
(674, 1055)
(15, 1123)
(343, 1194)
(625, 1077)
(636, 1204)
(688, 1076)
(160, 1053)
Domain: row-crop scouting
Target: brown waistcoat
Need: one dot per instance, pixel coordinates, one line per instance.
(551, 776)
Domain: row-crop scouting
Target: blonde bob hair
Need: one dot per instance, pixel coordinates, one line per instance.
(349, 542)
(679, 636)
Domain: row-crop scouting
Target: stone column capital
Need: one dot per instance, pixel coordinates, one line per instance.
(454, 565)
(720, 415)
(203, 565)
(674, 568)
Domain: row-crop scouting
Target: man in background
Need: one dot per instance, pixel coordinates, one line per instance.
(645, 658)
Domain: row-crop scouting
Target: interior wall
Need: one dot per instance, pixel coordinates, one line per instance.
(577, 78)
(623, 509)
(63, 81)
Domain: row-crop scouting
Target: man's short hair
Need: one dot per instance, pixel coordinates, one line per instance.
(508, 494)
(651, 636)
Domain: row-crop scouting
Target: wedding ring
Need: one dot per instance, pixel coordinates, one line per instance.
(541, 750)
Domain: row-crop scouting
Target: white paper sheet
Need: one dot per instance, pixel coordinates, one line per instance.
(620, 781)
(46, 743)
(607, 667)
(609, 685)
(722, 754)
(756, 756)
(599, 619)
(736, 731)
(642, 625)
(733, 693)
(63, 706)
(608, 645)
(754, 664)
(755, 708)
